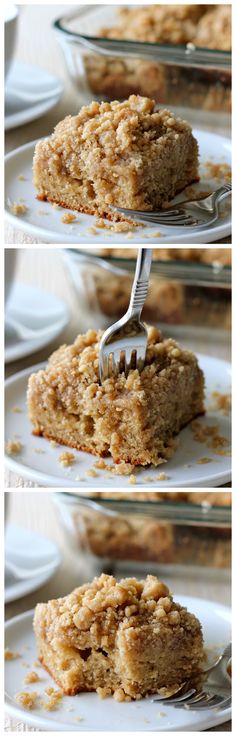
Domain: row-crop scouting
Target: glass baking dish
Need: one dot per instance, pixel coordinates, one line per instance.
(156, 536)
(194, 82)
(184, 298)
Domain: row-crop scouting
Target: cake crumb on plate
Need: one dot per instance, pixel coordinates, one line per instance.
(13, 447)
(17, 208)
(27, 699)
(31, 677)
(9, 655)
(68, 218)
(91, 473)
(66, 459)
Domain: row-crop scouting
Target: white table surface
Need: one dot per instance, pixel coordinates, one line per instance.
(26, 509)
(38, 45)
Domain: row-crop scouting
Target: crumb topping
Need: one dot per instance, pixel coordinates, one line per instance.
(75, 369)
(125, 602)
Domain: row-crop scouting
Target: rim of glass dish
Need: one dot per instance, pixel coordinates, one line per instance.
(166, 53)
(206, 274)
(177, 512)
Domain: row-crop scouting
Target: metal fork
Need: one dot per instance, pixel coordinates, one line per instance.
(123, 345)
(216, 692)
(196, 213)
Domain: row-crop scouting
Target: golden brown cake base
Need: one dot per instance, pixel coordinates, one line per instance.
(126, 638)
(133, 419)
(119, 153)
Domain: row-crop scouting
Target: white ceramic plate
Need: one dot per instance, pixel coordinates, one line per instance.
(38, 548)
(23, 82)
(39, 461)
(35, 309)
(96, 714)
(43, 221)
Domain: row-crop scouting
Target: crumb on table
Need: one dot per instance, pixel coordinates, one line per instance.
(21, 177)
(16, 410)
(13, 447)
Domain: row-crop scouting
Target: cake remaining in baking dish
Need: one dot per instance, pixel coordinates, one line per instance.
(202, 88)
(127, 638)
(119, 153)
(133, 419)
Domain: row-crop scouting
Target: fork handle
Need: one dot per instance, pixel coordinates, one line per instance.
(221, 193)
(141, 282)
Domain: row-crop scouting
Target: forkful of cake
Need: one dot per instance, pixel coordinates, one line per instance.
(123, 345)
